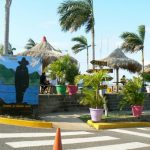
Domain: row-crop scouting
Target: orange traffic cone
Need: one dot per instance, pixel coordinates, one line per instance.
(57, 144)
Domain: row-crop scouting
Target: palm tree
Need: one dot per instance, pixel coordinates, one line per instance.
(76, 13)
(30, 44)
(1, 49)
(81, 45)
(9, 51)
(134, 42)
(6, 38)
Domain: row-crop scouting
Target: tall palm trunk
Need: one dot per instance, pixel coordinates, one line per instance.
(87, 57)
(143, 68)
(93, 44)
(6, 36)
(143, 85)
(142, 60)
(93, 35)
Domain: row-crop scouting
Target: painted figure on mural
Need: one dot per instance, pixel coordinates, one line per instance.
(21, 79)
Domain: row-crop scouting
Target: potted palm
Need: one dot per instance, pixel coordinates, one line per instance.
(65, 69)
(57, 69)
(132, 95)
(71, 72)
(91, 96)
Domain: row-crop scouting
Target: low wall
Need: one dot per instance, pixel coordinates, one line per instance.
(59, 103)
(114, 99)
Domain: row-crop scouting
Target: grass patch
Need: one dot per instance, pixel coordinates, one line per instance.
(85, 118)
(119, 117)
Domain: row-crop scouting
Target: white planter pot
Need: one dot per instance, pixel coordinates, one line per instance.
(96, 114)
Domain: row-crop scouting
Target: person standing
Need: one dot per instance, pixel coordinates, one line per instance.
(43, 82)
(53, 83)
(123, 80)
(21, 79)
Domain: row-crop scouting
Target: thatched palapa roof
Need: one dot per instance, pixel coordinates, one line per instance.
(117, 59)
(147, 68)
(45, 51)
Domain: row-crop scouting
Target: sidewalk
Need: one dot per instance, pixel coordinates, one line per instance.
(71, 121)
(67, 120)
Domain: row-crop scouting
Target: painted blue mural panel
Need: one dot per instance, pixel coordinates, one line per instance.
(19, 79)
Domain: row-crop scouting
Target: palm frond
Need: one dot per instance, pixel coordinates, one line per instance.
(126, 35)
(90, 24)
(126, 47)
(71, 20)
(80, 45)
(71, 10)
(78, 48)
(80, 39)
(141, 30)
(131, 42)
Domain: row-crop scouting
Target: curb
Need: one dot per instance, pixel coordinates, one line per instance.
(114, 125)
(26, 123)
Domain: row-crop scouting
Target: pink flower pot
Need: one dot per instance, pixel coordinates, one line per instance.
(137, 110)
(96, 114)
(72, 89)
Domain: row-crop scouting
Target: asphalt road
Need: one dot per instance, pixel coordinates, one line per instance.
(22, 138)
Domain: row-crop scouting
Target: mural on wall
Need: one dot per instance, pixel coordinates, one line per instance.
(19, 79)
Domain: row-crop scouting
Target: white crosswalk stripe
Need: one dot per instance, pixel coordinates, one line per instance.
(124, 146)
(145, 129)
(21, 135)
(77, 138)
(64, 141)
(131, 132)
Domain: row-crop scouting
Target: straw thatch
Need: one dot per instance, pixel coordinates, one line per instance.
(44, 51)
(96, 70)
(147, 69)
(99, 63)
(117, 59)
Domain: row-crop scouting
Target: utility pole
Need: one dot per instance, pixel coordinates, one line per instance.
(6, 34)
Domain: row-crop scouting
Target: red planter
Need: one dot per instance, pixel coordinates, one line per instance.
(137, 110)
(72, 89)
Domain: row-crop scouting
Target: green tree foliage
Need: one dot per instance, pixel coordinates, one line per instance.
(131, 93)
(30, 44)
(81, 44)
(64, 69)
(91, 96)
(134, 42)
(71, 72)
(10, 49)
(1, 49)
(77, 13)
(146, 77)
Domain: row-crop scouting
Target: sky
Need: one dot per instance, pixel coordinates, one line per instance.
(37, 18)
